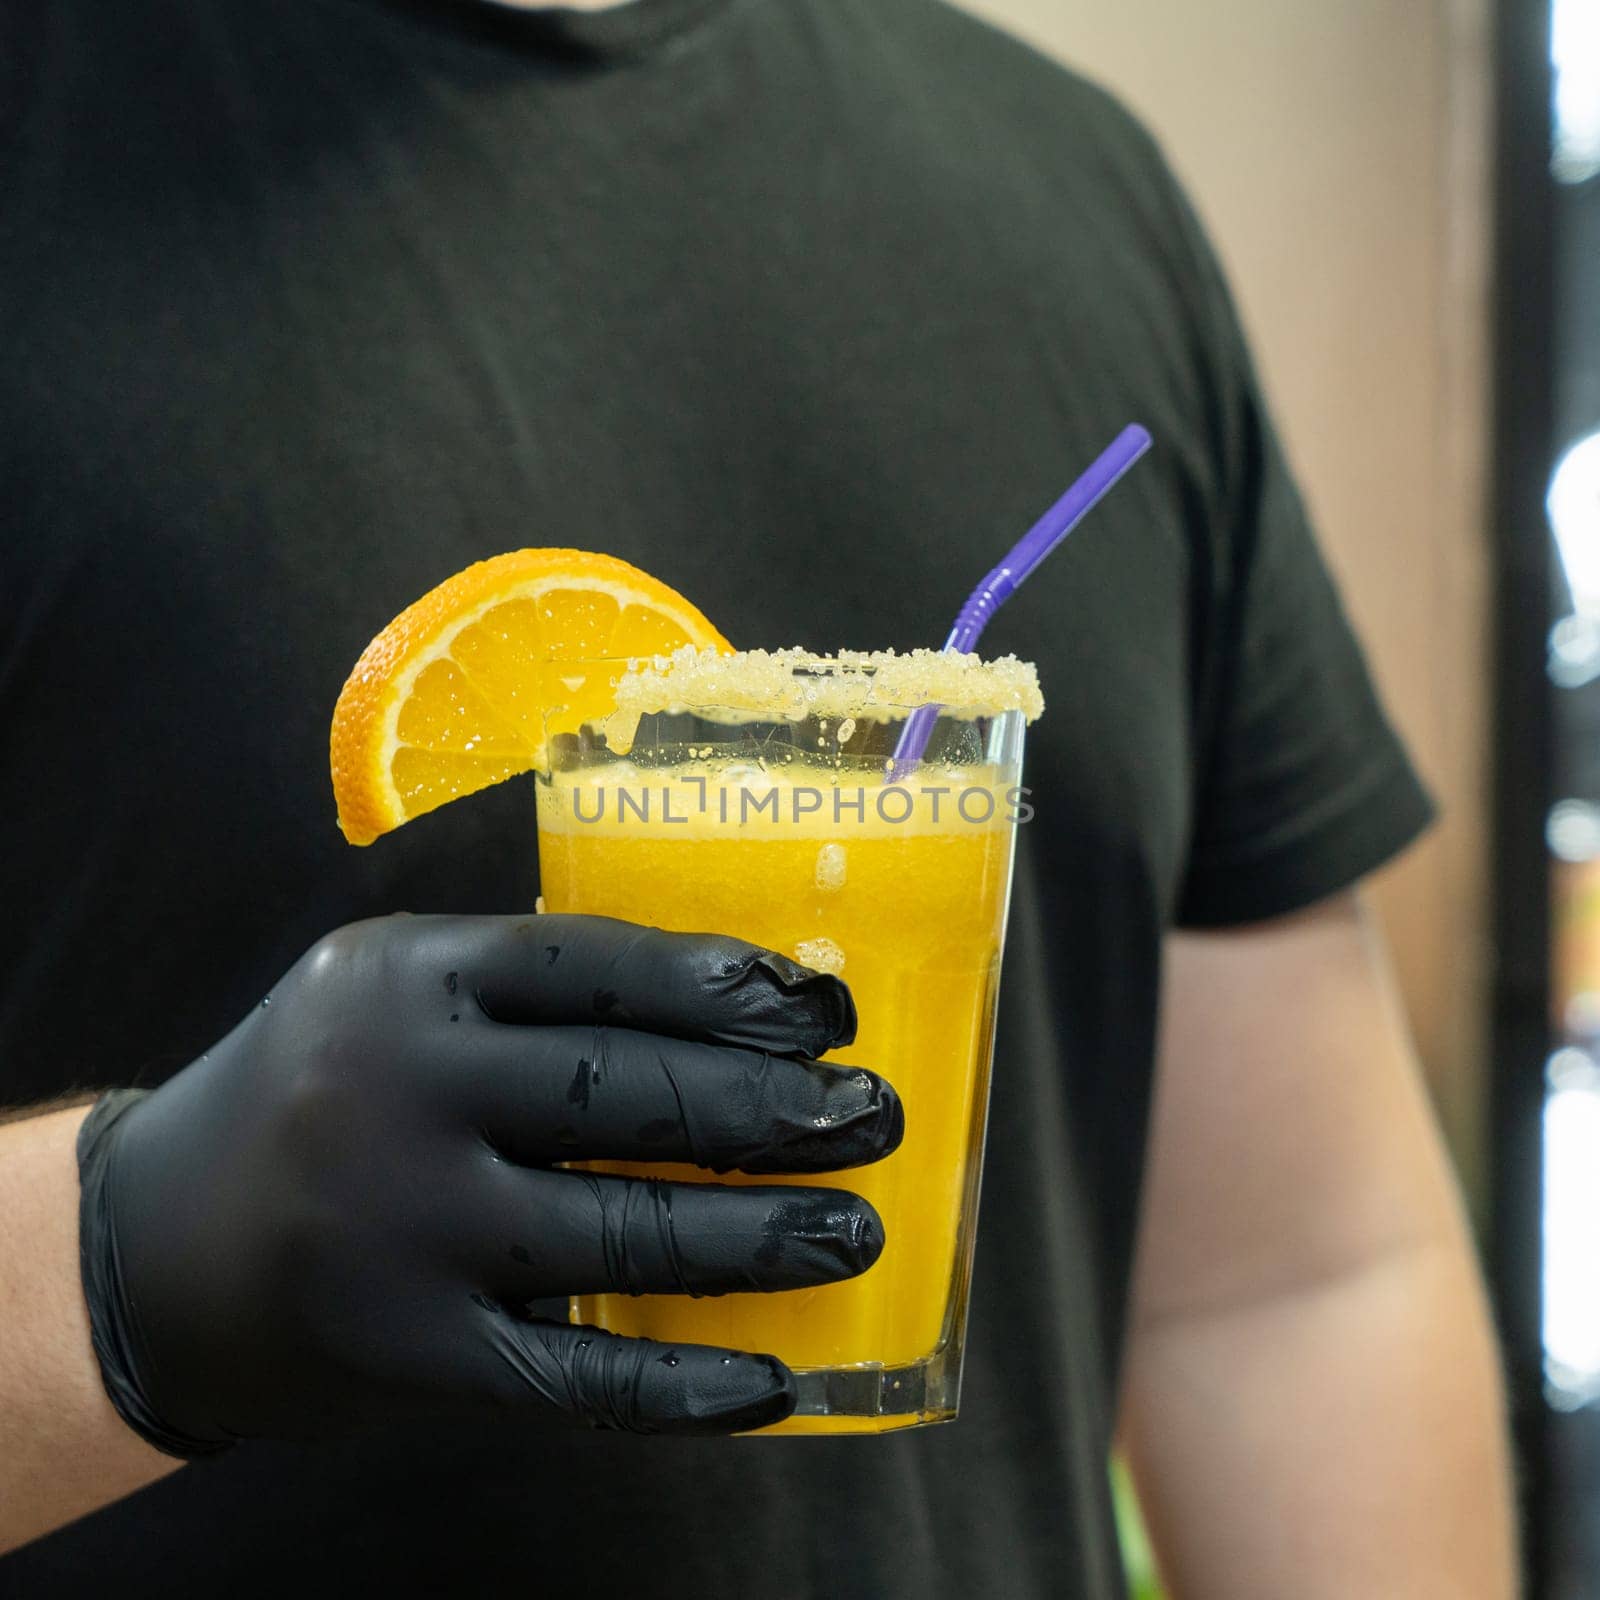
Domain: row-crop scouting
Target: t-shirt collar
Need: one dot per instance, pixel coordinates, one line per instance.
(629, 29)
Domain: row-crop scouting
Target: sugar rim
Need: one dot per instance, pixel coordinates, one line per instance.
(786, 685)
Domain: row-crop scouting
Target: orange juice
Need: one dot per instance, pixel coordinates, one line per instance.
(910, 915)
(777, 809)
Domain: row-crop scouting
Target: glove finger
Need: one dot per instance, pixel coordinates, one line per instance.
(602, 1380)
(556, 969)
(542, 1233)
(570, 1093)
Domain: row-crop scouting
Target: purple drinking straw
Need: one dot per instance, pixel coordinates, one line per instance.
(1019, 564)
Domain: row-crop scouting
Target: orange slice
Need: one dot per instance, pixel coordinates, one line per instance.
(459, 691)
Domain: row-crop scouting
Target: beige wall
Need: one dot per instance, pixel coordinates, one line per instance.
(1338, 153)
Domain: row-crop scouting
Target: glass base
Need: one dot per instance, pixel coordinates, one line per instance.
(872, 1398)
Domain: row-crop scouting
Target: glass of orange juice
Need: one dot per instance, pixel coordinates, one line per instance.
(759, 795)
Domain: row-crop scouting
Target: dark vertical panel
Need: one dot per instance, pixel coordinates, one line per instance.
(1523, 450)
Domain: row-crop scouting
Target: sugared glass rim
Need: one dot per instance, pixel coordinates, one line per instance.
(789, 685)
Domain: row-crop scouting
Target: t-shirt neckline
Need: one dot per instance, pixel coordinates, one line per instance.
(620, 31)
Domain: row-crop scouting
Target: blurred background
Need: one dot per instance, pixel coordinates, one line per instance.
(1407, 198)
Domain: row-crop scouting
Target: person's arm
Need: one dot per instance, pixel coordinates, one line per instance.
(64, 1451)
(1312, 1404)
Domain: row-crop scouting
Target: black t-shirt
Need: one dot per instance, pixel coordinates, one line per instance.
(807, 306)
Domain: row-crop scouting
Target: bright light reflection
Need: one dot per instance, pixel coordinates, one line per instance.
(1572, 831)
(1575, 55)
(1574, 652)
(1572, 1229)
(1573, 504)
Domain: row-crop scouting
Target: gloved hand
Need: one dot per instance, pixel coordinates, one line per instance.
(338, 1215)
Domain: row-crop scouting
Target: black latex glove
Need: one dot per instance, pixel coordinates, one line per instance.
(338, 1215)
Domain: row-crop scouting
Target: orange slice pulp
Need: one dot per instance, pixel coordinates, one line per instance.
(461, 689)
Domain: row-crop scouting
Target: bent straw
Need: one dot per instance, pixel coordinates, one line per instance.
(1020, 563)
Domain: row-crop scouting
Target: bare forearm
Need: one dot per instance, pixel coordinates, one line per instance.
(1313, 1402)
(1343, 1438)
(63, 1449)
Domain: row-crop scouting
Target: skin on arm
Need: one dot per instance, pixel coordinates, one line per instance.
(1312, 1403)
(64, 1451)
